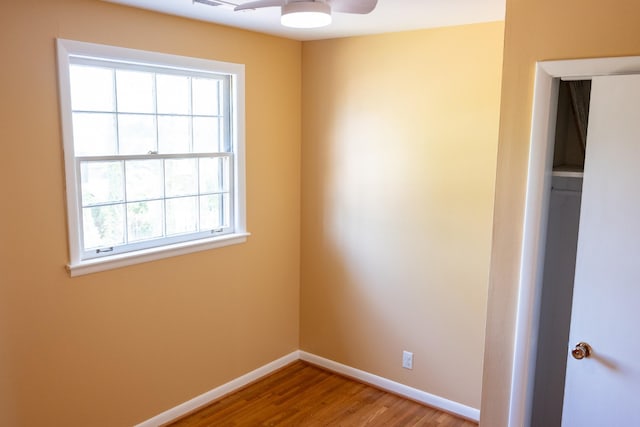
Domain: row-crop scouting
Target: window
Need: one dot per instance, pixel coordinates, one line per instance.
(153, 154)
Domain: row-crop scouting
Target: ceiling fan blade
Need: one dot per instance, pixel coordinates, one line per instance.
(260, 3)
(208, 2)
(353, 6)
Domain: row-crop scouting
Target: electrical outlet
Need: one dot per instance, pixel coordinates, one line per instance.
(407, 360)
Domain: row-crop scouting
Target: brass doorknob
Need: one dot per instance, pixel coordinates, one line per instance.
(581, 350)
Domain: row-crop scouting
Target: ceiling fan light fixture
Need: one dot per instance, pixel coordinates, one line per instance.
(306, 15)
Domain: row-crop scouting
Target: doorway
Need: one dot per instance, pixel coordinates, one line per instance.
(547, 86)
(560, 251)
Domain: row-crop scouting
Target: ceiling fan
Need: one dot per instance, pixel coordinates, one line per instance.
(304, 13)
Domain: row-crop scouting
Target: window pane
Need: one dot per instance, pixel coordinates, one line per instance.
(94, 134)
(144, 179)
(137, 134)
(174, 134)
(206, 135)
(226, 210)
(211, 212)
(135, 91)
(182, 215)
(174, 94)
(91, 88)
(214, 174)
(102, 182)
(144, 220)
(205, 96)
(181, 177)
(103, 226)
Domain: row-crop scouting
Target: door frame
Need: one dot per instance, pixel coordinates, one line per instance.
(543, 121)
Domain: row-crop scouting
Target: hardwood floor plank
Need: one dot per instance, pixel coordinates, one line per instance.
(304, 395)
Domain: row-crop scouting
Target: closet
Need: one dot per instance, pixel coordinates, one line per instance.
(560, 252)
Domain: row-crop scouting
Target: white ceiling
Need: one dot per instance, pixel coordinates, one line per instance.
(389, 16)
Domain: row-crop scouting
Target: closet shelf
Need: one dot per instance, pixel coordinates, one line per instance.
(568, 172)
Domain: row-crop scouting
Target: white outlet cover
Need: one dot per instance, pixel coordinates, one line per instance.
(407, 360)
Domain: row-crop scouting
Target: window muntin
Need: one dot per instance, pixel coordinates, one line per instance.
(154, 149)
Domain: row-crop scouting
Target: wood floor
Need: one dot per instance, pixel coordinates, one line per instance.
(305, 395)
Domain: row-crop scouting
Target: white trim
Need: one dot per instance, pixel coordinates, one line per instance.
(434, 401)
(532, 256)
(95, 265)
(385, 384)
(218, 392)
(585, 69)
(238, 138)
(135, 56)
(64, 94)
(534, 226)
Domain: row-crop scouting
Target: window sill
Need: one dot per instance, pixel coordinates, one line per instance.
(116, 261)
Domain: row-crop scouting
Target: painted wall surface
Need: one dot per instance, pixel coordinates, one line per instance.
(535, 30)
(118, 347)
(398, 163)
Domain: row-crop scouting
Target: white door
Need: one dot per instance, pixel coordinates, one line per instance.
(604, 388)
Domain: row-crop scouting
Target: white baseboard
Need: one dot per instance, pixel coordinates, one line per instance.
(436, 402)
(204, 399)
(211, 395)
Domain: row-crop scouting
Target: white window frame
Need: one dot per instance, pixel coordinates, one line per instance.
(69, 50)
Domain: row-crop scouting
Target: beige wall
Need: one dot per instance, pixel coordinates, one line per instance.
(398, 164)
(535, 30)
(117, 347)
